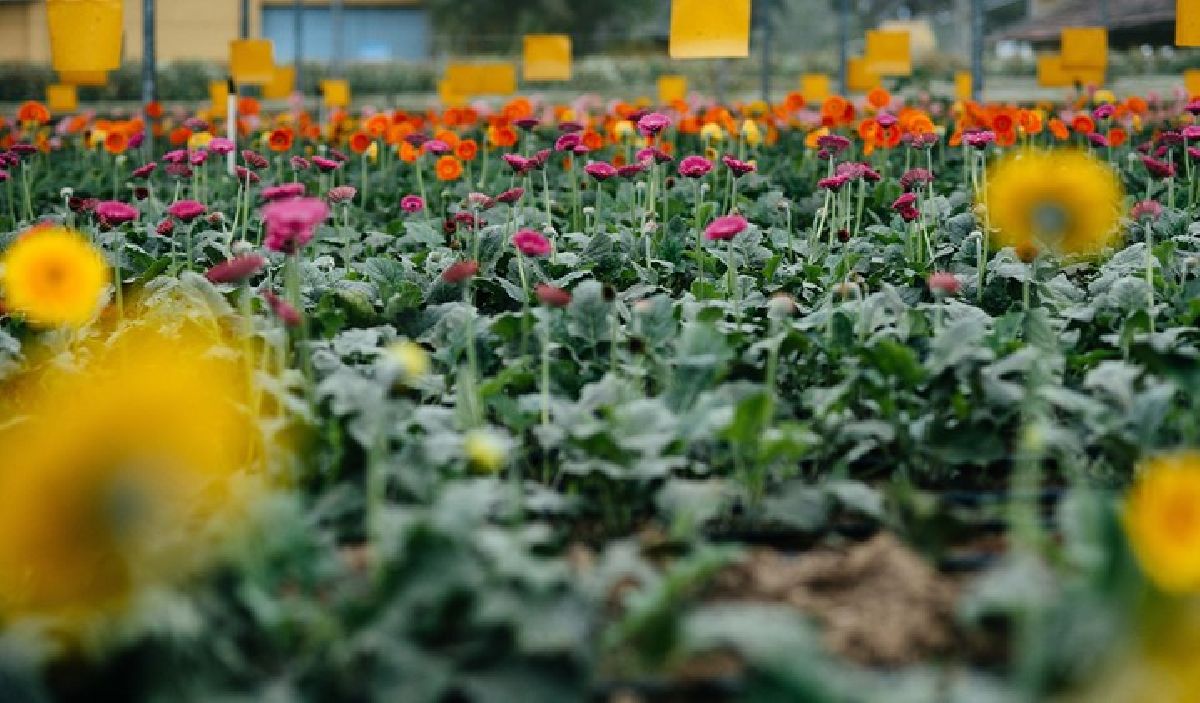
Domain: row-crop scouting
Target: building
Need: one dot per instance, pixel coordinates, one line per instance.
(200, 30)
(1130, 22)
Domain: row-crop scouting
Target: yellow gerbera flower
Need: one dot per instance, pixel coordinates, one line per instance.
(1162, 520)
(124, 469)
(53, 276)
(1064, 201)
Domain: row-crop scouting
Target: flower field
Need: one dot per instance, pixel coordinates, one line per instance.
(872, 399)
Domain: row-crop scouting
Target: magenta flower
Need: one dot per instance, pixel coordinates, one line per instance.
(653, 154)
(290, 223)
(980, 139)
(175, 156)
(412, 204)
(1103, 112)
(236, 269)
(886, 119)
(437, 146)
(245, 175)
(460, 271)
(520, 165)
(220, 146)
(341, 194)
(738, 167)
(600, 170)
(186, 210)
(527, 123)
(285, 311)
(834, 183)
(1146, 210)
(115, 212)
(285, 191)
(944, 285)
(197, 158)
(726, 228)
(165, 228)
(915, 178)
(254, 159)
(299, 163)
(325, 165)
(144, 170)
(531, 243)
(631, 170)
(510, 196)
(480, 201)
(551, 296)
(567, 142)
(695, 167)
(1158, 169)
(833, 143)
(653, 124)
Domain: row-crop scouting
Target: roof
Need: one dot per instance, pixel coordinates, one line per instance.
(1128, 18)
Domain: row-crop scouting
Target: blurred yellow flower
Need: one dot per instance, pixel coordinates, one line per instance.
(411, 358)
(1162, 520)
(53, 276)
(199, 140)
(1065, 201)
(624, 129)
(751, 133)
(97, 137)
(712, 133)
(125, 469)
(485, 450)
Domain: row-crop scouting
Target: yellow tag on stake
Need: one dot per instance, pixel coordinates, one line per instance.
(1084, 48)
(814, 87)
(547, 57)
(251, 61)
(710, 29)
(61, 98)
(672, 89)
(889, 53)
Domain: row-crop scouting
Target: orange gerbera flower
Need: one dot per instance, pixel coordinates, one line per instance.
(377, 125)
(180, 135)
(116, 142)
(154, 109)
(1117, 136)
(1059, 129)
(794, 102)
(248, 106)
(518, 108)
(360, 142)
(1030, 121)
(448, 168)
(592, 140)
(502, 137)
(1006, 137)
(447, 136)
(1137, 105)
(879, 98)
(1083, 124)
(467, 149)
(280, 139)
(409, 153)
(33, 111)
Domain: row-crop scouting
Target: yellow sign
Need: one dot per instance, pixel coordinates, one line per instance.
(218, 93)
(672, 89)
(710, 29)
(1085, 48)
(859, 76)
(1052, 73)
(448, 96)
(964, 85)
(469, 80)
(814, 87)
(547, 57)
(282, 85)
(85, 35)
(251, 61)
(889, 52)
(83, 77)
(1191, 81)
(1187, 23)
(335, 92)
(61, 98)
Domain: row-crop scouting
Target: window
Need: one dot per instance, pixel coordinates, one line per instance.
(368, 33)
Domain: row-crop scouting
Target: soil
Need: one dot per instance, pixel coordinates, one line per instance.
(877, 602)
